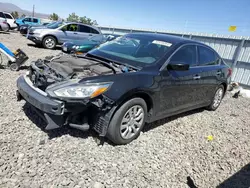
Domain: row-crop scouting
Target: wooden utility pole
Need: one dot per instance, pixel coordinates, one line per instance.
(33, 12)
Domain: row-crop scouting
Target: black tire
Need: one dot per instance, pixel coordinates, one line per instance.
(115, 124)
(53, 42)
(8, 28)
(18, 27)
(14, 67)
(212, 106)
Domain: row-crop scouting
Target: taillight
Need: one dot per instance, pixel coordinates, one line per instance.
(229, 72)
(5, 22)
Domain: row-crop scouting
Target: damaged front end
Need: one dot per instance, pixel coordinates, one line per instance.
(53, 87)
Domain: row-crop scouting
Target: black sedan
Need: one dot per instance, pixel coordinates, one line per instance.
(121, 85)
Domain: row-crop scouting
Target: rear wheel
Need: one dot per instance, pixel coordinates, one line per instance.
(49, 42)
(8, 28)
(127, 121)
(217, 98)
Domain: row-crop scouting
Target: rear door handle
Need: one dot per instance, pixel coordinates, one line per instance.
(75, 33)
(90, 35)
(197, 77)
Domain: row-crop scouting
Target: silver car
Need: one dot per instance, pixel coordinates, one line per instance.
(61, 32)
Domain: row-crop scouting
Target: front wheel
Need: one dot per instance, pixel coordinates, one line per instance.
(217, 98)
(49, 42)
(127, 121)
(14, 67)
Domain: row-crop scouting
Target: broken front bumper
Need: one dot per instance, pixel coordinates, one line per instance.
(51, 109)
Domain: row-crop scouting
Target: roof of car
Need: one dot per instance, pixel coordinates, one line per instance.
(165, 37)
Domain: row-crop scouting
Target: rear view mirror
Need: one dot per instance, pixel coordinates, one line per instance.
(178, 66)
(63, 29)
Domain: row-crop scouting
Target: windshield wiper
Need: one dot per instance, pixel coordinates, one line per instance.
(115, 69)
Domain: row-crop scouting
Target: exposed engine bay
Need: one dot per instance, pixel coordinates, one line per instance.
(56, 69)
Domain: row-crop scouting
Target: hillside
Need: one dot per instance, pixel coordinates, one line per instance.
(9, 7)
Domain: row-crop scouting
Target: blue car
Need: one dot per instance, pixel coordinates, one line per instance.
(28, 21)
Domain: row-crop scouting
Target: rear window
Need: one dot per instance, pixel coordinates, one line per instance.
(2, 15)
(84, 29)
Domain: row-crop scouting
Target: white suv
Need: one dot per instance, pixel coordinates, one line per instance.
(9, 18)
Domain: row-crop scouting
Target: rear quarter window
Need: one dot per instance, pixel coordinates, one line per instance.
(94, 31)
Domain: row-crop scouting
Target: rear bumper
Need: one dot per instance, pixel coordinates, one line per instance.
(3, 27)
(51, 110)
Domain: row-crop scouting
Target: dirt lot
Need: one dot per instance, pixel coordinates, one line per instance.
(166, 153)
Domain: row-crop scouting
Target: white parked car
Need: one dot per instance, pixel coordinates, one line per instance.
(9, 18)
(3, 25)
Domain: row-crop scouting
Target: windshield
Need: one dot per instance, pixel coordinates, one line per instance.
(54, 25)
(134, 50)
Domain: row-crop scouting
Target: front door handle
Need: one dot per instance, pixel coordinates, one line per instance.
(90, 35)
(197, 77)
(75, 33)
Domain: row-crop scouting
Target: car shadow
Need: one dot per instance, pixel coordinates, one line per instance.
(40, 46)
(24, 67)
(163, 121)
(4, 32)
(65, 130)
(240, 179)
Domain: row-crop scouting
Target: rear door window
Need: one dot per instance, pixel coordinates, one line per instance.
(35, 20)
(207, 57)
(186, 54)
(84, 29)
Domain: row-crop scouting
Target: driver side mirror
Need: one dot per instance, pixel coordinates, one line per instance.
(178, 66)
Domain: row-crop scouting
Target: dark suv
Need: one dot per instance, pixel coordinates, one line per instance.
(117, 87)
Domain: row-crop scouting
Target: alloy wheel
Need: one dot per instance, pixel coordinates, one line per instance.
(132, 122)
(218, 97)
(50, 43)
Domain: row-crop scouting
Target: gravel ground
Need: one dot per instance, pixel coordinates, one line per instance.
(166, 153)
